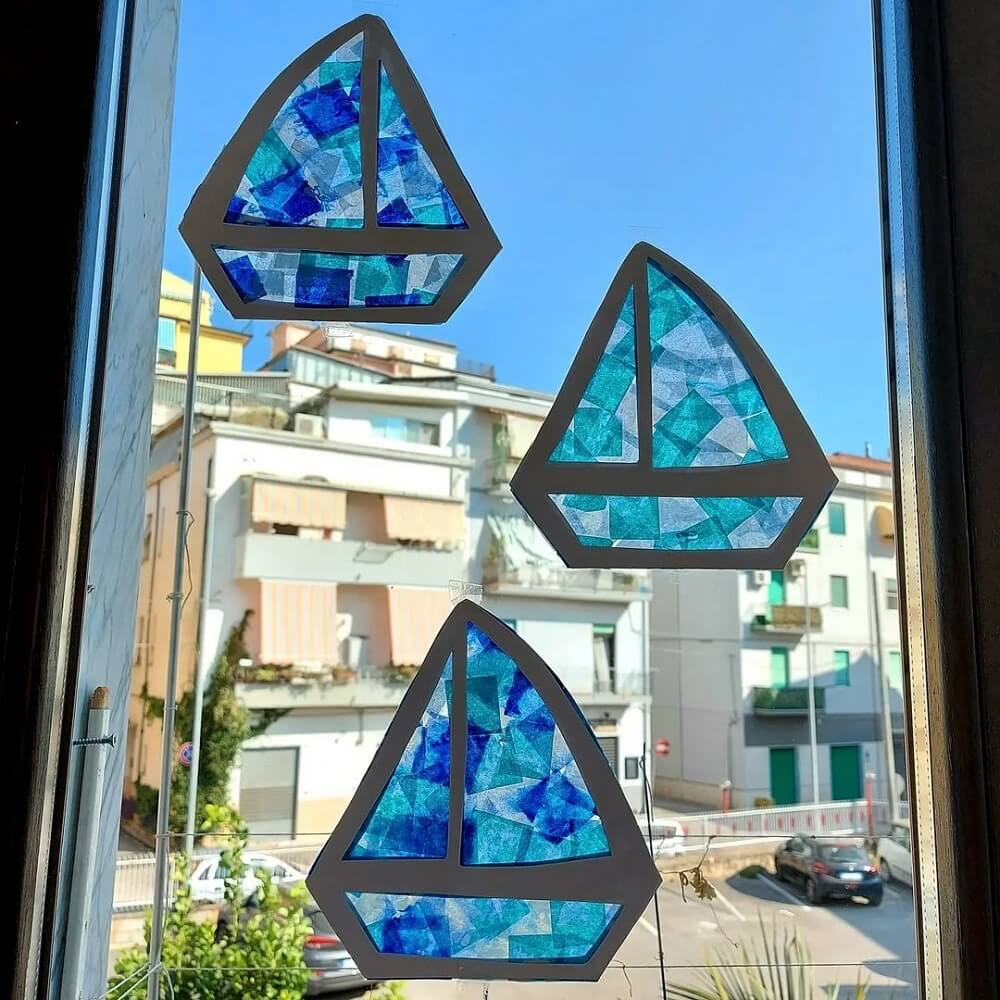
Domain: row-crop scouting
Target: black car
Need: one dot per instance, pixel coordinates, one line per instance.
(829, 869)
(331, 968)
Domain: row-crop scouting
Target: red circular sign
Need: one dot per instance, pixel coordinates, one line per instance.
(185, 753)
(662, 747)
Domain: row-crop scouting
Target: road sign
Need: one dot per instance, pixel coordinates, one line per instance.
(662, 747)
(184, 754)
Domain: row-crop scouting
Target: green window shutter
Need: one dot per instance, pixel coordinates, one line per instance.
(841, 667)
(837, 522)
(779, 667)
(784, 776)
(776, 590)
(838, 591)
(896, 669)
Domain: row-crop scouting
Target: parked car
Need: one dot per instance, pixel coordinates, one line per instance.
(668, 838)
(331, 968)
(208, 880)
(825, 869)
(894, 858)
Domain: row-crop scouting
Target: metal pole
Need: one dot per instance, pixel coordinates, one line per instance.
(176, 598)
(890, 749)
(812, 686)
(201, 666)
(646, 693)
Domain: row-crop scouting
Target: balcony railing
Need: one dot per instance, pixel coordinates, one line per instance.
(469, 366)
(558, 578)
(792, 619)
(786, 701)
(499, 471)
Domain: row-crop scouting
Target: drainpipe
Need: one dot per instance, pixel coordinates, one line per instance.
(176, 597)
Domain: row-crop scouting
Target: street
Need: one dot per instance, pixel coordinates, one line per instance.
(845, 941)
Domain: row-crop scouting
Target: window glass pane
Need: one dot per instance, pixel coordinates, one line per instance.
(896, 670)
(841, 667)
(837, 518)
(779, 667)
(166, 333)
(709, 670)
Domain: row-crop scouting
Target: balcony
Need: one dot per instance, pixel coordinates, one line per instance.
(788, 619)
(558, 581)
(280, 686)
(499, 472)
(785, 701)
(290, 557)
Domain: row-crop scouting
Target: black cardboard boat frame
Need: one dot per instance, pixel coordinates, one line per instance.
(805, 473)
(203, 225)
(626, 875)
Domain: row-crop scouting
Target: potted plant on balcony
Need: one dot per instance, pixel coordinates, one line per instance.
(343, 675)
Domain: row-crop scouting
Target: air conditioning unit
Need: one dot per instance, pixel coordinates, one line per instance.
(760, 577)
(310, 424)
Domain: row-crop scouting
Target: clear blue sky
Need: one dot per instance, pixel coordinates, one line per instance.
(738, 137)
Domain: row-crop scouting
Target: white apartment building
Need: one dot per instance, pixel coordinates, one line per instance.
(347, 491)
(731, 655)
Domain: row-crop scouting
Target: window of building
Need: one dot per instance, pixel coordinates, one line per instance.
(405, 429)
(895, 669)
(838, 591)
(166, 334)
(511, 623)
(837, 518)
(810, 541)
(604, 658)
(891, 595)
(841, 667)
(147, 538)
(780, 676)
(776, 589)
(631, 768)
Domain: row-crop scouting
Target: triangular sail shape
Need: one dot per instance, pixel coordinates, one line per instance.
(410, 819)
(306, 171)
(604, 427)
(723, 471)
(536, 869)
(338, 196)
(410, 190)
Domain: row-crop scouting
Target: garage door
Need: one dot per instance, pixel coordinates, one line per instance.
(609, 744)
(268, 791)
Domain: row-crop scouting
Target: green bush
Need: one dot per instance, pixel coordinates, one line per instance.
(252, 958)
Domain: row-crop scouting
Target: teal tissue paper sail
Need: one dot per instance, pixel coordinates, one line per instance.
(673, 443)
(489, 838)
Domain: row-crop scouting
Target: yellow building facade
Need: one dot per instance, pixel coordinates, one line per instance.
(219, 351)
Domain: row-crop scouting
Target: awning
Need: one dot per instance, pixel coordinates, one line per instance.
(415, 616)
(521, 432)
(297, 623)
(885, 523)
(301, 505)
(519, 544)
(409, 519)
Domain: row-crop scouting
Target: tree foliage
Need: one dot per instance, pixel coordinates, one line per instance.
(225, 726)
(254, 955)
